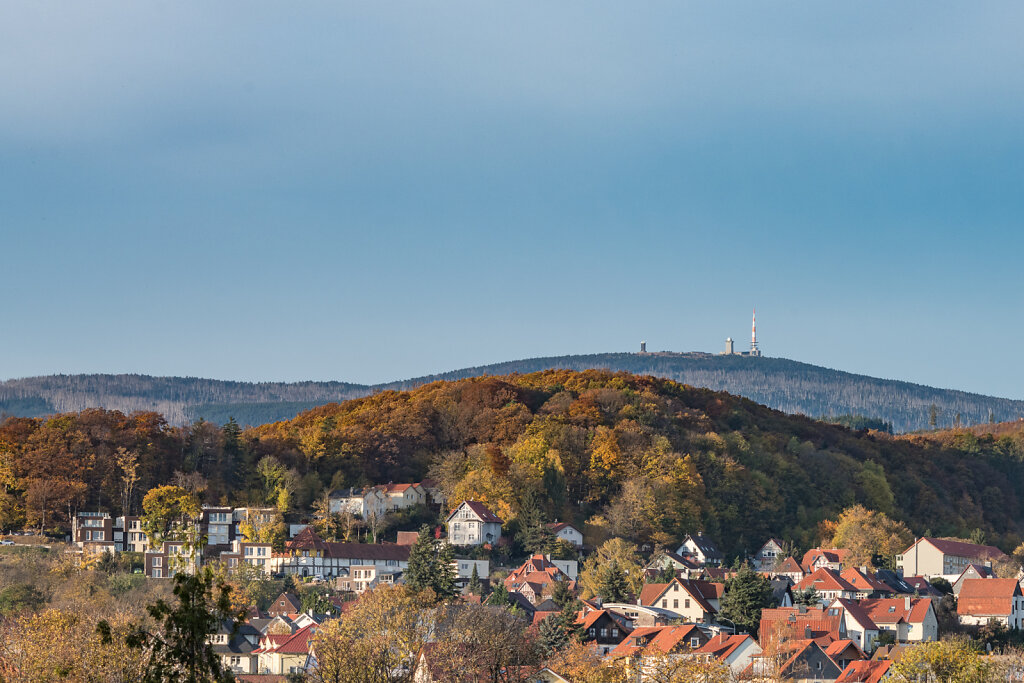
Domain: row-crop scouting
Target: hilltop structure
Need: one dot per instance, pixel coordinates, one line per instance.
(754, 351)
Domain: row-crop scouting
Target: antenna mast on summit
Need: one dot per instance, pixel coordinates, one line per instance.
(754, 351)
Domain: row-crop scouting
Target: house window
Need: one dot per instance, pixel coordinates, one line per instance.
(687, 605)
(615, 633)
(664, 603)
(592, 632)
(604, 633)
(695, 642)
(158, 573)
(158, 561)
(675, 603)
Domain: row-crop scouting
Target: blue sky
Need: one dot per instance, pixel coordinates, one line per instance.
(367, 192)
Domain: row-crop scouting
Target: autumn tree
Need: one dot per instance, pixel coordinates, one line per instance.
(868, 535)
(377, 640)
(582, 663)
(128, 463)
(947, 661)
(166, 510)
(623, 555)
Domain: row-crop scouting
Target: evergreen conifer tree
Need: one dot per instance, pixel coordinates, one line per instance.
(612, 585)
(476, 587)
(746, 594)
(422, 562)
(431, 565)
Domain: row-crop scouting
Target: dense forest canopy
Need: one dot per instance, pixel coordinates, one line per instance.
(785, 385)
(622, 455)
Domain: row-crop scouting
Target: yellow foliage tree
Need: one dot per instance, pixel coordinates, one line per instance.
(945, 661)
(866, 533)
(484, 486)
(581, 663)
(618, 551)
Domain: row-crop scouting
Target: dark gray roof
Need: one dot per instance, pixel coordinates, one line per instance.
(705, 545)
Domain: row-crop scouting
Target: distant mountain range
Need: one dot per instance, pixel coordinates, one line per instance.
(785, 385)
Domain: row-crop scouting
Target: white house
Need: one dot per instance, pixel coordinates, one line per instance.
(701, 549)
(464, 568)
(984, 600)
(366, 503)
(736, 651)
(401, 496)
(860, 628)
(472, 523)
(941, 557)
(772, 551)
(567, 532)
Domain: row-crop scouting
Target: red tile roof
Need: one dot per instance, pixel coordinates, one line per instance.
(864, 671)
(656, 640)
(987, 597)
(789, 566)
(824, 579)
(838, 647)
(893, 610)
(858, 613)
(722, 646)
(481, 511)
(971, 551)
(798, 621)
(832, 555)
(864, 582)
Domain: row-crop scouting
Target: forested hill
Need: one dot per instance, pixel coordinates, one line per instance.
(786, 385)
(781, 384)
(179, 399)
(635, 457)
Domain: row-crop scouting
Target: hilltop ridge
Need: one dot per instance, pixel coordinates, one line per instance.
(782, 384)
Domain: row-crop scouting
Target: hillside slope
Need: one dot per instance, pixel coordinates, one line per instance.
(786, 385)
(631, 456)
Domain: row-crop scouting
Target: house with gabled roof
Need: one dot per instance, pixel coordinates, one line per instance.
(235, 646)
(984, 600)
(284, 604)
(865, 671)
(684, 567)
(567, 532)
(536, 578)
(866, 584)
(801, 660)
(736, 651)
(473, 523)
(402, 496)
(842, 652)
(365, 503)
(800, 622)
(857, 623)
(687, 600)
(789, 568)
(931, 557)
(285, 654)
(828, 584)
(830, 558)
(645, 647)
(771, 553)
(701, 549)
(604, 628)
(910, 620)
(972, 571)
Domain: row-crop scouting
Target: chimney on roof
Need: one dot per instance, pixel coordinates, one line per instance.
(906, 603)
(802, 609)
(807, 632)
